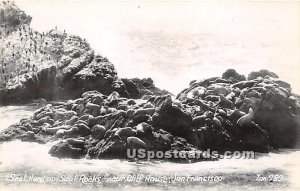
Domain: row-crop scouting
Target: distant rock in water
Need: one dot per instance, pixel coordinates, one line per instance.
(53, 65)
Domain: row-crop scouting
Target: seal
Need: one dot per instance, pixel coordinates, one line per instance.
(98, 131)
(144, 128)
(148, 105)
(113, 96)
(224, 102)
(199, 120)
(230, 96)
(125, 132)
(60, 133)
(146, 111)
(135, 142)
(68, 132)
(53, 130)
(243, 92)
(202, 104)
(217, 122)
(246, 119)
(236, 114)
(212, 98)
(217, 89)
(72, 120)
(84, 130)
(75, 142)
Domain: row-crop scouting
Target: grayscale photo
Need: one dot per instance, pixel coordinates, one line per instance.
(149, 95)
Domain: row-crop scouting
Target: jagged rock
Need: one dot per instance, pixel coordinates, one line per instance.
(173, 120)
(55, 66)
(161, 141)
(254, 138)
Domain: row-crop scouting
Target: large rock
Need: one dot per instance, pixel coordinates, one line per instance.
(68, 149)
(262, 73)
(109, 149)
(232, 75)
(172, 119)
(56, 66)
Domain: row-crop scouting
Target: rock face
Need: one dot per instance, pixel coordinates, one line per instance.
(171, 118)
(54, 65)
(70, 148)
(138, 88)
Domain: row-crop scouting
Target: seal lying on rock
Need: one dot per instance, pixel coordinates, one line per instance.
(72, 120)
(53, 130)
(201, 103)
(143, 129)
(149, 111)
(246, 119)
(224, 102)
(125, 132)
(67, 132)
(236, 114)
(134, 142)
(98, 131)
(217, 122)
(75, 142)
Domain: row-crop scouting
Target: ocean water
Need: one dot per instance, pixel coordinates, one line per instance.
(40, 171)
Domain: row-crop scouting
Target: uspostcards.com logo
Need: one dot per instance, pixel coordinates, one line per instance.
(206, 154)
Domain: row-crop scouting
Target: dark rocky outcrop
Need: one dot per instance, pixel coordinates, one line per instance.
(232, 75)
(137, 88)
(54, 65)
(262, 73)
(69, 148)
